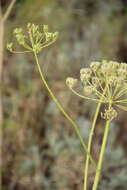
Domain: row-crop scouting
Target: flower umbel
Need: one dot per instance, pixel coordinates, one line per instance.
(108, 78)
(71, 82)
(109, 114)
(34, 40)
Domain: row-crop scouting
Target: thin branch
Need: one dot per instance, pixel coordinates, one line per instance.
(8, 10)
(0, 11)
(86, 97)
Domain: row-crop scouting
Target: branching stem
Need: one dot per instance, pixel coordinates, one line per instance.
(90, 139)
(102, 152)
(6, 14)
(74, 125)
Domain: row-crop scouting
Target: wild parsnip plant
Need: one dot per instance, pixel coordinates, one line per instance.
(104, 82)
(34, 40)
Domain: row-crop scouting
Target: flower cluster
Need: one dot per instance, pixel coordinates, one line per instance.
(71, 82)
(35, 39)
(107, 81)
(109, 114)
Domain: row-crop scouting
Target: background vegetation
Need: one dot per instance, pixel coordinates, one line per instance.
(40, 149)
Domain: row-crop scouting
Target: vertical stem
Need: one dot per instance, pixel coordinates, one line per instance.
(62, 110)
(90, 139)
(0, 11)
(1, 107)
(89, 145)
(3, 18)
(1, 64)
(7, 13)
(101, 157)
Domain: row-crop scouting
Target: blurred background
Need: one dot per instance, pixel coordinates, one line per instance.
(40, 148)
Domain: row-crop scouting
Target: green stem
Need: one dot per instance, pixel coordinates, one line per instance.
(74, 125)
(90, 139)
(89, 145)
(101, 157)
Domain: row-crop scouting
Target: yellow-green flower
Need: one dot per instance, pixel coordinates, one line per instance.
(34, 40)
(107, 78)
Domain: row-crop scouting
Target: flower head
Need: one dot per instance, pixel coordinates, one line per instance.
(71, 82)
(35, 39)
(107, 81)
(109, 114)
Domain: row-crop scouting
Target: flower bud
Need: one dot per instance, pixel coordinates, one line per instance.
(45, 28)
(122, 72)
(84, 71)
(96, 81)
(10, 46)
(88, 90)
(71, 82)
(35, 28)
(106, 68)
(29, 25)
(114, 64)
(123, 66)
(95, 65)
(55, 35)
(18, 31)
(85, 74)
(20, 38)
(109, 114)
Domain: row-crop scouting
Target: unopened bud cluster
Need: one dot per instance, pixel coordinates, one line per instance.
(35, 39)
(71, 82)
(109, 114)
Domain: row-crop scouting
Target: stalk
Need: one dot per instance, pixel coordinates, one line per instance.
(74, 125)
(7, 13)
(3, 18)
(102, 152)
(1, 106)
(90, 140)
(89, 145)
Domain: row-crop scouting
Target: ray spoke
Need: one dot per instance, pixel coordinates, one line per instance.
(85, 97)
(121, 107)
